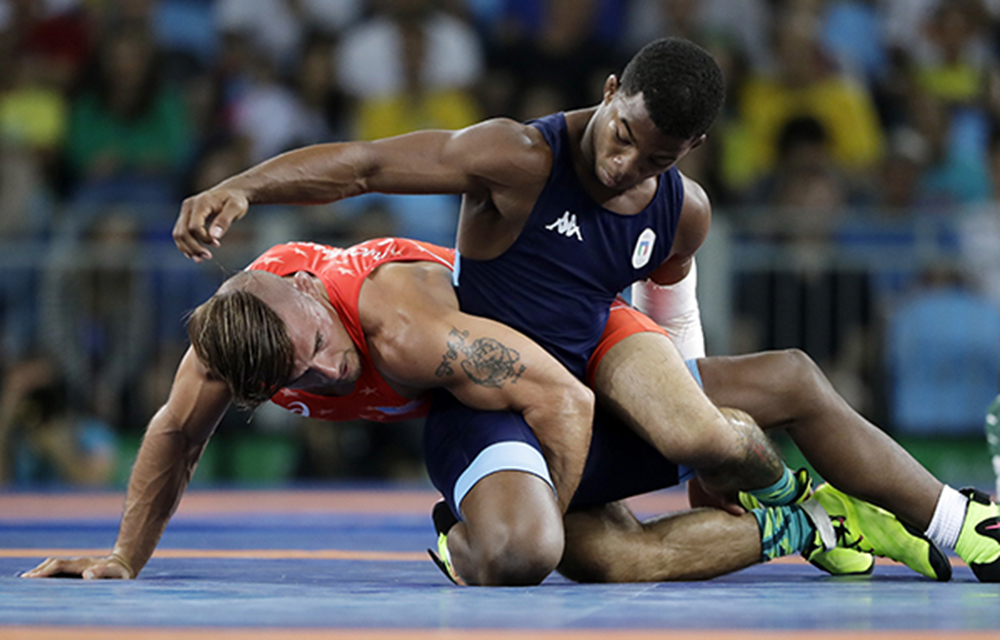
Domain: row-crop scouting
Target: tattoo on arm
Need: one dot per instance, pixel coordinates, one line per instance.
(486, 361)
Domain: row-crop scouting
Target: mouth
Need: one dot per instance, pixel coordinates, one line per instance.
(605, 178)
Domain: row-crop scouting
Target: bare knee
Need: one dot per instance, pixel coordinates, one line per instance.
(799, 383)
(519, 553)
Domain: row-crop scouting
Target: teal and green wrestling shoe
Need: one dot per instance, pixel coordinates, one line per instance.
(979, 540)
(444, 520)
(838, 561)
(864, 527)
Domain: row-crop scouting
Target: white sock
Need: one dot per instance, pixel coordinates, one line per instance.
(949, 514)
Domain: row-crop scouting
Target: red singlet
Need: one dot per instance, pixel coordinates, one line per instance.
(342, 272)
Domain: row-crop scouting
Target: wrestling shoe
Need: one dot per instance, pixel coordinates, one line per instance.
(864, 527)
(838, 561)
(444, 520)
(979, 540)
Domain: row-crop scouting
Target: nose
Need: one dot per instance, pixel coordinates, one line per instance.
(329, 371)
(626, 167)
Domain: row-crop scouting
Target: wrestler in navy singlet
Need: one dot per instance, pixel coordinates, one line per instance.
(556, 284)
(557, 281)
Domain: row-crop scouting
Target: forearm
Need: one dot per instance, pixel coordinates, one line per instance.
(163, 468)
(310, 175)
(563, 430)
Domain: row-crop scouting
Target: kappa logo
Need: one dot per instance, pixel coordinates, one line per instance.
(566, 225)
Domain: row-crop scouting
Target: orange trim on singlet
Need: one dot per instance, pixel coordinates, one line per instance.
(623, 321)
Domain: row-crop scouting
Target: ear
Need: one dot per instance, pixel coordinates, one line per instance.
(697, 142)
(300, 280)
(611, 87)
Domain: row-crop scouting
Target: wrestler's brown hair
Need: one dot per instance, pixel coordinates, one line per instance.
(244, 342)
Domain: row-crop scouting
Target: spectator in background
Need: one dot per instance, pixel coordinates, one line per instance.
(322, 98)
(58, 33)
(410, 67)
(270, 116)
(741, 25)
(566, 47)
(279, 28)
(129, 137)
(952, 61)
(41, 439)
(804, 83)
(951, 72)
(806, 176)
(32, 127)
(954, 174)
(852, 32)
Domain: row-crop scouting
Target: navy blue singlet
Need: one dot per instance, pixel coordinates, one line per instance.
(557, 281)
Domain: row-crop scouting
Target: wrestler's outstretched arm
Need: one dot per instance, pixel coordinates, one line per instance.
(171, 448)
(502, 158)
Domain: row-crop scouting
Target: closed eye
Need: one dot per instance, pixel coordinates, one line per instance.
(619, 138)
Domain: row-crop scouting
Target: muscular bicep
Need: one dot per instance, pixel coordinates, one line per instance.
(489, 156)
(196, 403)
(485, 364)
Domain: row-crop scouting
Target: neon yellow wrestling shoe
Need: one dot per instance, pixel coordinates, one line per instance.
(864, 527)
(979, 540)
(444, 520)
(838, 561)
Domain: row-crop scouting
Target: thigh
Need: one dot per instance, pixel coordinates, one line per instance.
(638, 374)
(464, 446)
(621, 465)
(765, 384)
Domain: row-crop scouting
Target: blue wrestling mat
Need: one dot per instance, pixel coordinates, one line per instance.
(347, 561)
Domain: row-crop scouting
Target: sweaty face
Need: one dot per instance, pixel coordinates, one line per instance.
(326, 359)
(628, 147)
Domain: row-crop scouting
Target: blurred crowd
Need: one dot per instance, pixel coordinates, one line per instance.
(869, 126)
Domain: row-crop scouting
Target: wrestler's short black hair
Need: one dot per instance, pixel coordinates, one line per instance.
(681, 85)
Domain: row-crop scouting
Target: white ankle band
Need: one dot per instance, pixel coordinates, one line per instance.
(949, 514)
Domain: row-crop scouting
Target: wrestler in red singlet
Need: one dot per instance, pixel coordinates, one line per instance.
(342, 272)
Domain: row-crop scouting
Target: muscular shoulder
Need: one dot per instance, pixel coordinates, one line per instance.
(504, 152)
(402, 308)
(696, 217)
(696, 200)
(399, 297)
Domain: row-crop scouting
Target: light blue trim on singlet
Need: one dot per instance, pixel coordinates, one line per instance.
(502, 456)
(686, 473)
(692, 366)
(457, 269)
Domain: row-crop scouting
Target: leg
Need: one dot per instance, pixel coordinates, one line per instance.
(511, 533)
(608, 544)
(489, 467)
(643, 380)
(786, 389)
